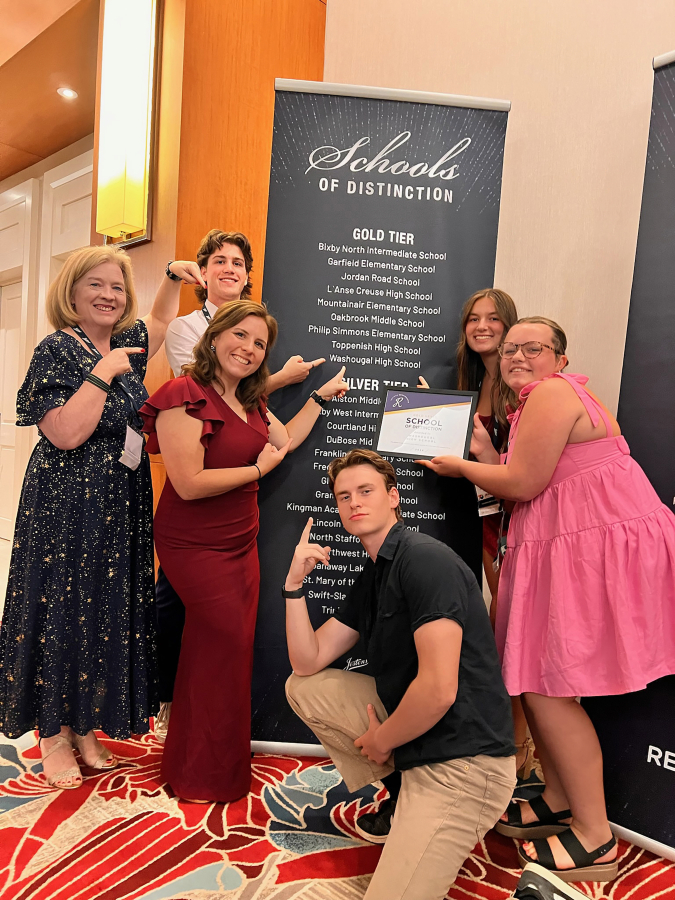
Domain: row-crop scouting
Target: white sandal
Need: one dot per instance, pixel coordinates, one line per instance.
(162, 721)
(73, 772)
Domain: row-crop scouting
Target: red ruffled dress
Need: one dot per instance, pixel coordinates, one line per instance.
(207, 548)
(492, 524)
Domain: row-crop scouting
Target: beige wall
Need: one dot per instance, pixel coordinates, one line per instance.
(579, 76)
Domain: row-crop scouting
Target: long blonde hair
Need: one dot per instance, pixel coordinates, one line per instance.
(59, 307)
(204, 368)
(470, 366)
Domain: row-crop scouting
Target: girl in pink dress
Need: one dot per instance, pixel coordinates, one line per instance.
(587, 592)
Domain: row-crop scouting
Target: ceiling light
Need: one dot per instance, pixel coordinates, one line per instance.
(68, 93)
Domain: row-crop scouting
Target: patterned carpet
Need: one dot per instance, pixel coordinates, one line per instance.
(123, 835)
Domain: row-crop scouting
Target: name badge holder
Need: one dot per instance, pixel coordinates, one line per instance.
(487, 504)
(133, 443)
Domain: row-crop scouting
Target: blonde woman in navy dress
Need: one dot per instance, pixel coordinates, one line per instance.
(77, 639)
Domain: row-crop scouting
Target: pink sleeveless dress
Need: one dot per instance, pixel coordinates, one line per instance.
(587, 589)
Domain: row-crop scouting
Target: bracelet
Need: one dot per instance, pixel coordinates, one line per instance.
(317, 398)
(258, 468)
(292, 595)
(98, 382)
(169, 273)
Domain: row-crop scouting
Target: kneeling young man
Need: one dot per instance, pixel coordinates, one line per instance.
(435, 707)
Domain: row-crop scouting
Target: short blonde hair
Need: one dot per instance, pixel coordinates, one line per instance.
(60, 310)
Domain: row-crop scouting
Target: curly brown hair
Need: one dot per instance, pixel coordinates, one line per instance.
(204, 368)
(361, 457)
(211, 243)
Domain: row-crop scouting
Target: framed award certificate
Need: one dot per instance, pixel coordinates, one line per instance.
(421, 424)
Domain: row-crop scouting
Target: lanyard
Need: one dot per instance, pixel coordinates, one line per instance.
(494, 437)
(206, 313)
(121, 379)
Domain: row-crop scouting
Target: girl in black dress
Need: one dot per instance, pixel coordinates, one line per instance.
(77, 638)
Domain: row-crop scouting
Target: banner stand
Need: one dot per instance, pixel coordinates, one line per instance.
(382, 219)
(280, 748)
(636, 731)
(644, 842)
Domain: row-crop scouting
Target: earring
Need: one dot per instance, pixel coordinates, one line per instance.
(213, 348)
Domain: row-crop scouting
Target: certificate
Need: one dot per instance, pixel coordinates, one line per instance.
(422, 424)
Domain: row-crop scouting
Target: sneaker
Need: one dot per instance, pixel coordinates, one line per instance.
(162, 721)
(537, 883)
(375, 827)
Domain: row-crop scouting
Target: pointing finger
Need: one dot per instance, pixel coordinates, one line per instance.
(317, 362)
(304, 537)
(133, 349)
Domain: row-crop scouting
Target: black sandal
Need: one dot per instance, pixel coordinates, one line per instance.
(546, 824)
(585, 868)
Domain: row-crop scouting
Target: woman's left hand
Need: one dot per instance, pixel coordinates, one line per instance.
(336, 387)
(443, 465)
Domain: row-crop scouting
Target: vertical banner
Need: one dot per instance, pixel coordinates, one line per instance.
(383, 214)
(637, 731)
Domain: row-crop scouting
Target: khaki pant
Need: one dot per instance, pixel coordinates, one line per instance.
(444, 809)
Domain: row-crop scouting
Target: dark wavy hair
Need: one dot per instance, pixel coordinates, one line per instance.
(204, 369)
(470, 366)
(211, 243)
(361, 457)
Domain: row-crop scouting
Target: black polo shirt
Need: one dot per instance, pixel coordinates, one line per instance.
(417, 579)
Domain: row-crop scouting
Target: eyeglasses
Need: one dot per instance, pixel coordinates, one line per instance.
(530, 349)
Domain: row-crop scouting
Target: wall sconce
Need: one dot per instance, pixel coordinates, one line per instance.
(125, 124)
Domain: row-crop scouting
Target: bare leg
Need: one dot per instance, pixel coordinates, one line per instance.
(554, 793)
(519, 730)
(572, 762)
(519, 720)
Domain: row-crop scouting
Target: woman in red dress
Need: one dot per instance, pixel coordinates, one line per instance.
(217, 440)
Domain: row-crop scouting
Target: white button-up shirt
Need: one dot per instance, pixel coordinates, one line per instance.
(182, 335)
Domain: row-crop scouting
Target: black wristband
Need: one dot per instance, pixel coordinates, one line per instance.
(318, 399)
(292, 595)
(98, 382)
(258, 468)
(169, 273)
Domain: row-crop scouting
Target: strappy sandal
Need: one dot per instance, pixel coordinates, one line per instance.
(546, 824)
(105, 759)
(585, 867)
(530, 764)
(73, 772)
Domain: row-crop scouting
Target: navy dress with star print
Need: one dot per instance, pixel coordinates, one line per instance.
(77, 642)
